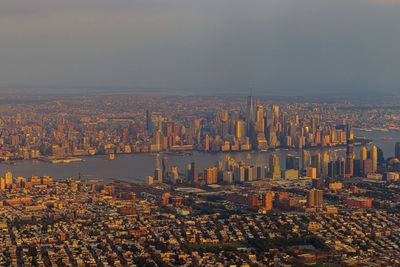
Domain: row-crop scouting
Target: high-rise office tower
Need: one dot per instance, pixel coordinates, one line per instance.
(165, 168)
(341, 167)
(292, 162)
(275, 109)
(306, 159)
(149, 122)
(381, 158)
(241, 130)
(367, 166)
(157, 137)
(250, 109)
(211, 175)
(349, 168)
(311, 172)
(324, 165)
(207, 143)
(158, 163)
(301, 141)
(319, 198)
(247, 173)
(2, 183)
(349, 153)
(223, 115)
(316, 163)
(168, 128)
(311, 198)
(272, 138)
(158, 175)
(397, 150)
(363, 153)
(220, 165)
(9, 178)
(332, 169)
(363, 158)
(260, 119)
(357, 167)
(315, 198)
(194, 171)
(350, 142)
(239, 175)
(174, 172)
(274, 168)
(189, 171)
(269, 118)
(374, 157)
(227, 177)
(315, 123)
(260, 172)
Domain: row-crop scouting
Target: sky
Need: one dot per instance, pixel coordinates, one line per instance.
(279, 47)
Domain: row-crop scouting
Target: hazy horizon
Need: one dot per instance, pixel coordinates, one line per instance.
(277, 47)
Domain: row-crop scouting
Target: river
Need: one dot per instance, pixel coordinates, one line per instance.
(135, 167)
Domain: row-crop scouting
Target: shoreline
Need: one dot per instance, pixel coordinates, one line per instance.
(72, 158)
(377, 129)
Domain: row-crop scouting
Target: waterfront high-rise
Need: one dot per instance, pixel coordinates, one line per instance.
(194, 172)
(174, 173)
(158, 175)
(397, 150)
(306, 159)
(8, 178)
(274, 168)
(207, 143)
(292, 162)
(189, 171)
(2, 184)
(165, 168)
(211, 175)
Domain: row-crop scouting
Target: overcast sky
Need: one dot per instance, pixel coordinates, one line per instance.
(222, 46)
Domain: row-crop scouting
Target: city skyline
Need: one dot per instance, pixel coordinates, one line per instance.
(199, 133)
(208, 181)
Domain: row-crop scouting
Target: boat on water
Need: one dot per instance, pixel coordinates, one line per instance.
(387, 138)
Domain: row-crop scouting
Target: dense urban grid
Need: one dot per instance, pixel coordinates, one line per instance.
(321, 208)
